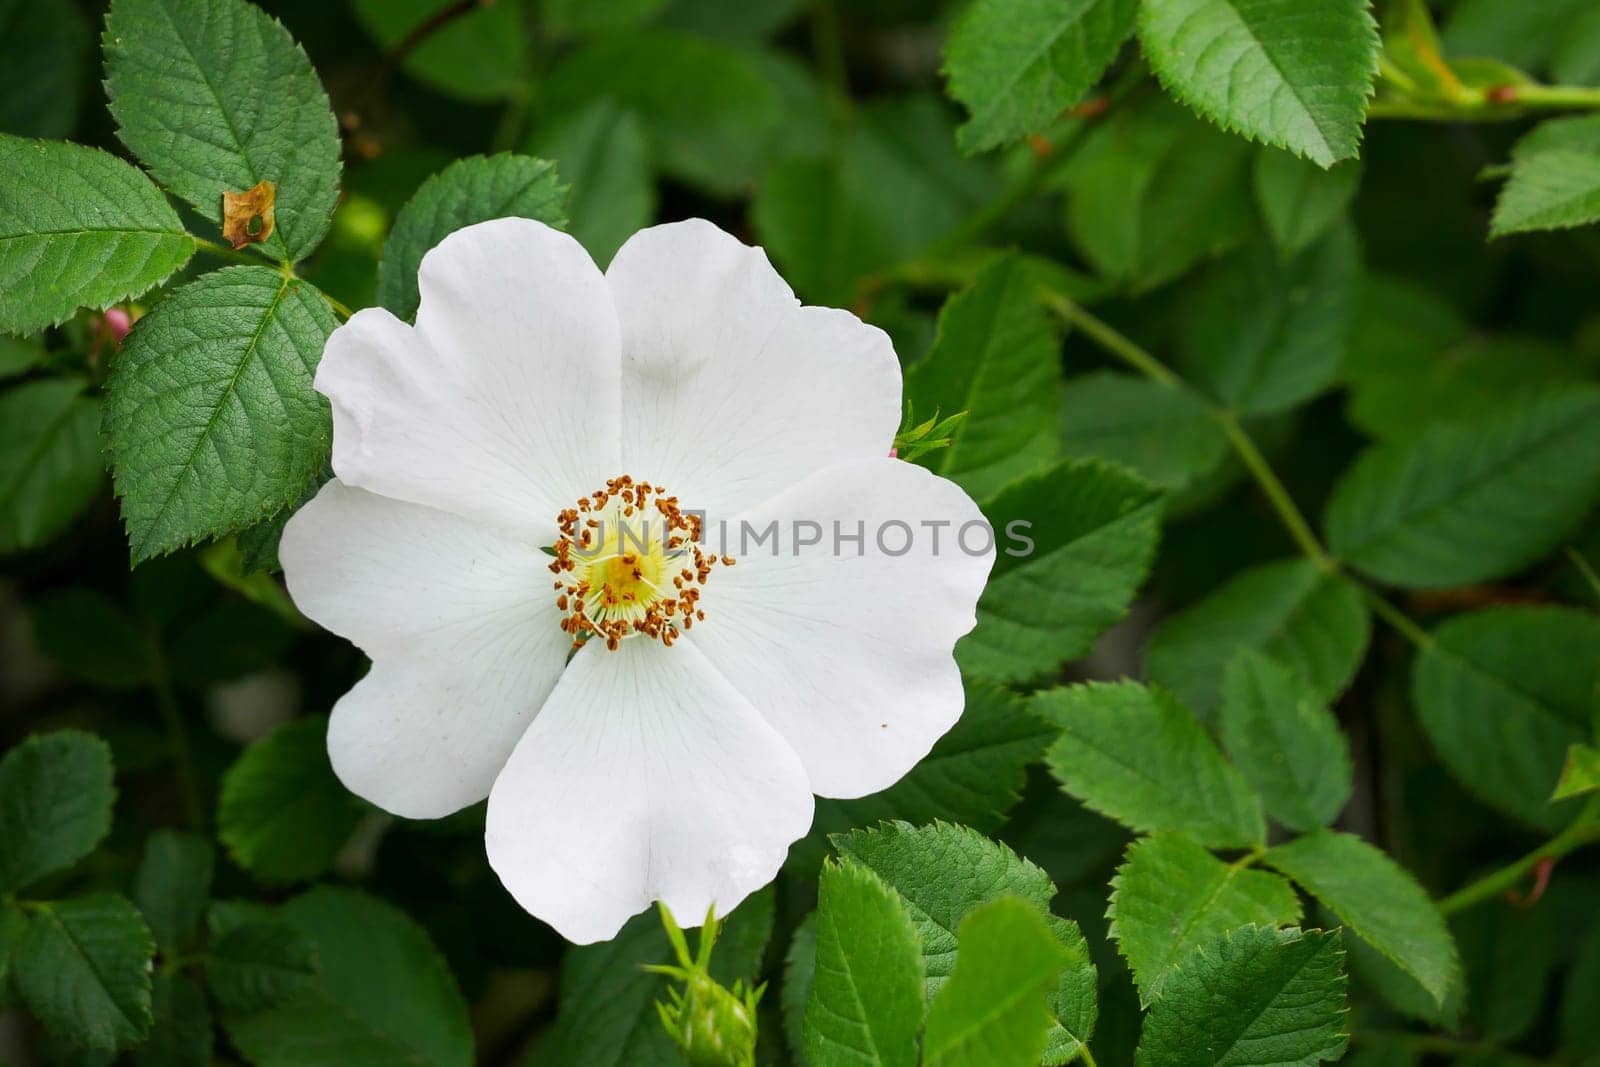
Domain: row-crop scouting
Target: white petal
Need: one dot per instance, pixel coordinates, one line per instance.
(502, 403)
(645, 777)
(731, 390)
(847, 655)
(461, 623)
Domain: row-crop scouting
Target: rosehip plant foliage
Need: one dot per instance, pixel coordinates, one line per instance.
(1273, 323)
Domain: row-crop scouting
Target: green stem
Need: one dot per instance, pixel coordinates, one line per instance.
(509, 131)
(1501, 104)
(1107, 337)
(1294, 521)
(1555, 97)
(1277, 495)
(1086, 1055)
(1584, 829)
(1585, 569)
(828, 46)
(1392, 615)
(222, 251)
(177, 737)
(1249, 859)
(338, 308)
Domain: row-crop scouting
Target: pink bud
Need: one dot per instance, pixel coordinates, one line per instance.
(894, 453)
(118, 323)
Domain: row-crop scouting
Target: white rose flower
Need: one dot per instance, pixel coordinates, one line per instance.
(647, 721)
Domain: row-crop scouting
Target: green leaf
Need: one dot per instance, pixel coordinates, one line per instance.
(1285, 742)
(260, 963)
(469, 190)
(799, 970)
(1299, 200)
(1171, 897)
(598, 16)
(603, 152)
(1576, 60)
(1254, 996)
(44, 50)
(1136, 755)
(1398, 395)
(212, 419)
(1018, 64)
(1264, 336)
(1580, 1024)
(83, 968)
(891, 187)
(1163, 433)
(716, 112)
(866, 992)
(78, 228)
(1402, 330)
(606, 1013)
(181, 1033)
(1073, 546)
(173, 885)
(50, 466)
(1391, 985)
(283, 815)
(1289, 610)
(1074, 1002)
(229, 640)
(384, 994)
(1282, 72)
(1503, 694)
(1555, 179)
(1378, 901)
(993, 1012)
(973, 775)
(481, 55)
(1520, 34)
(214, 96)
(19, 355)
(996, 358)
(13, 924)
(1153, 191)
(56, 794)
(258, 543)
(1580, 774)
(92, 637)
(942, 872)
(1511, 955)
(1467, 502)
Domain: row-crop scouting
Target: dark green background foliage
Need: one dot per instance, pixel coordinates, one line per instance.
(1277, 319)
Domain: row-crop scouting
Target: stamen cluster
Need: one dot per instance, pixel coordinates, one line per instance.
(628, 562)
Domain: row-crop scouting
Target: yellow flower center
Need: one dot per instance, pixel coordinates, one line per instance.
(628, 562)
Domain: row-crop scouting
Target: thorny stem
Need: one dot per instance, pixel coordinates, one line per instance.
(1496, 104)
(427, 28)
(1585, 829)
